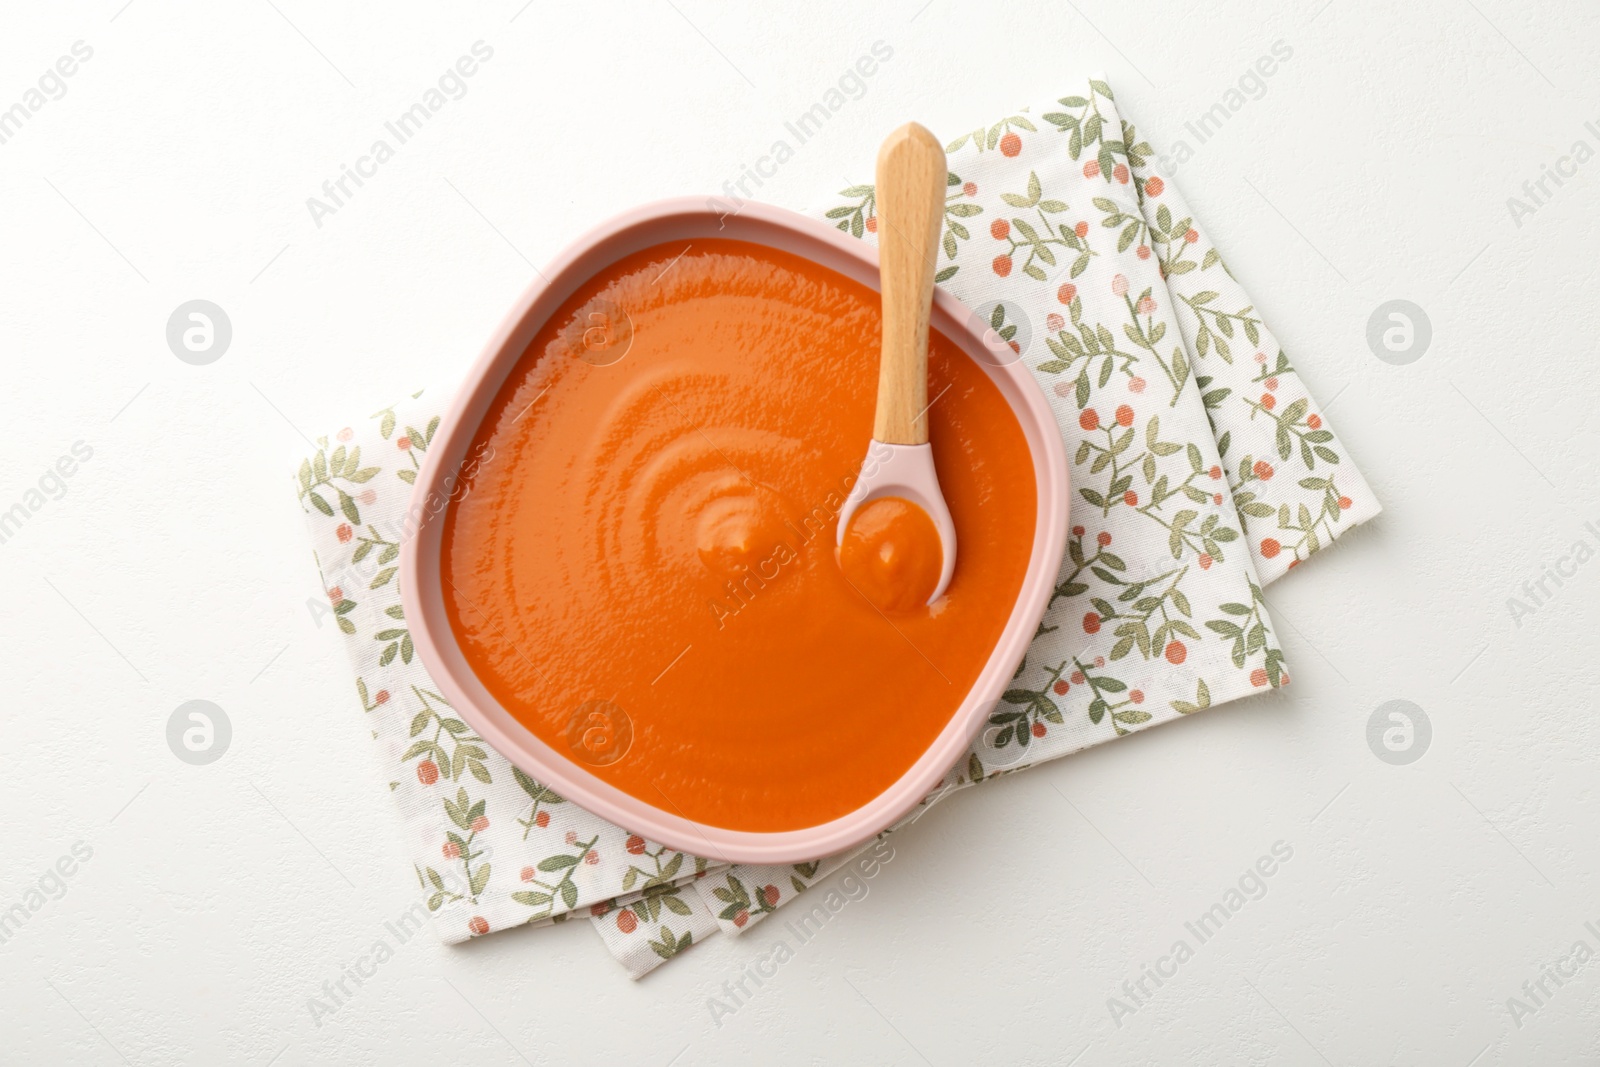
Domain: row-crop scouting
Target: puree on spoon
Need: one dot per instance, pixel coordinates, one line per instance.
(891, 554)
(649, 546)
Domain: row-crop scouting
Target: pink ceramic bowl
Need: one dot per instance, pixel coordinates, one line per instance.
(685, 220)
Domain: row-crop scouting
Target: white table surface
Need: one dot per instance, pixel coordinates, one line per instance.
(219, 898)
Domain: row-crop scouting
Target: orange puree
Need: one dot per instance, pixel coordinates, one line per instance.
(642, 571)
(891, 554)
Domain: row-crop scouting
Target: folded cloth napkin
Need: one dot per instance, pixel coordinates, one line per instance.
(1201, 472)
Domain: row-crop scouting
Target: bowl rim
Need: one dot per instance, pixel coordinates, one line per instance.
(437, 481)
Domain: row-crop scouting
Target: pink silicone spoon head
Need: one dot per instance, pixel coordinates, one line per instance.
(910, 210)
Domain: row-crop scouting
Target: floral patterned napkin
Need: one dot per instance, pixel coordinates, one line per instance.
(1202, 471)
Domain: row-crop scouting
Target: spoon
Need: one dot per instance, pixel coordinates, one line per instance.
(899, 463)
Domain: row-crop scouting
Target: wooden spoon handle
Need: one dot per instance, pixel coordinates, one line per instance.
(911, 189)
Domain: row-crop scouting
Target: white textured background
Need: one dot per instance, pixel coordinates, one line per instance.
(1376, 166)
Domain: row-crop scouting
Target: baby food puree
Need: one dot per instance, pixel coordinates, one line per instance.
(649, 553)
